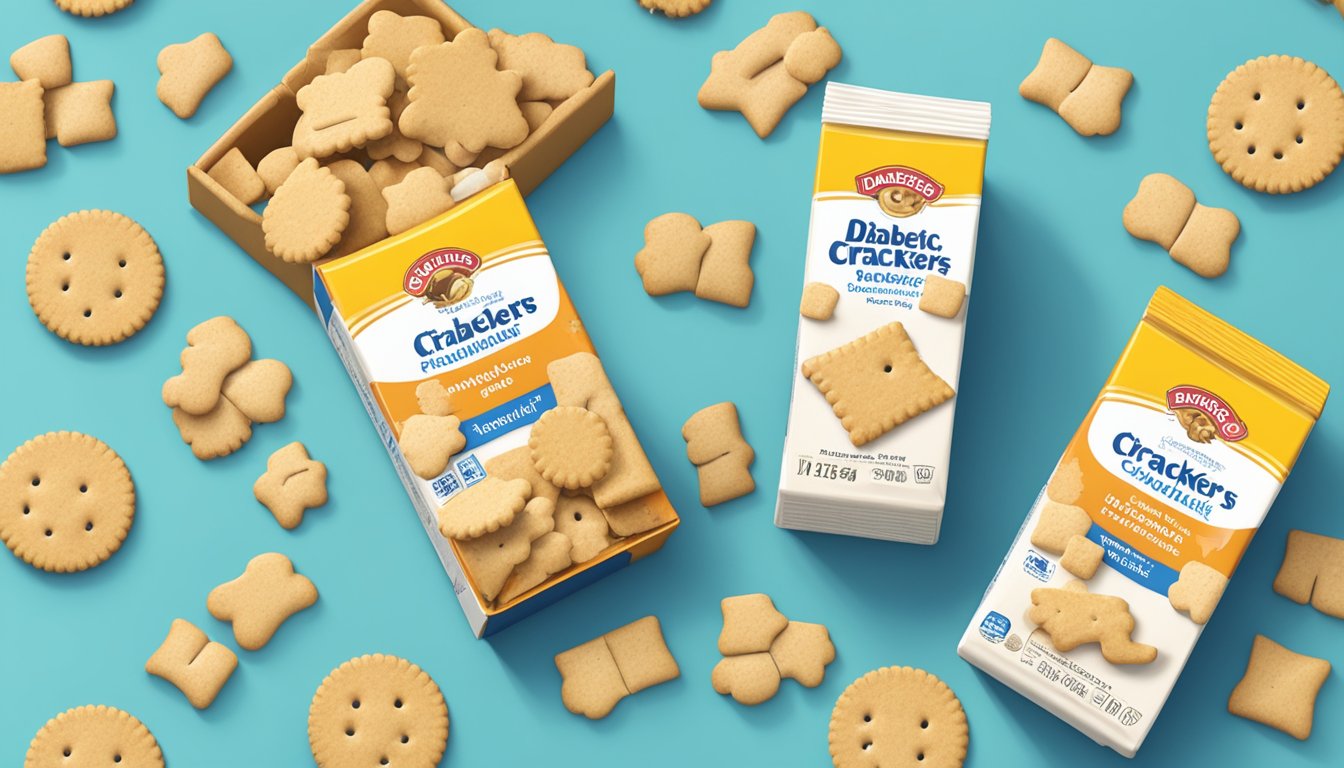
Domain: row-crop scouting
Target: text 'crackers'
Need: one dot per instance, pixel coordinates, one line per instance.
(1152, 506)
(890, 252)
(486, 391)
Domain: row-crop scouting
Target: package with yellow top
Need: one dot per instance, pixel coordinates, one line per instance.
(500, 419)
(1128, 548)
(890, 253)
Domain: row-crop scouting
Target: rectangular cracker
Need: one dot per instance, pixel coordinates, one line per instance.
(1313, 570)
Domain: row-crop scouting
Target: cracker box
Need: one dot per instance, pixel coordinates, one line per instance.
(1144, 519)
(895, 211)
(471, 300)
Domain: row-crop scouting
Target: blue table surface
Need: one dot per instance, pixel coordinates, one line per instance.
(1059, 288)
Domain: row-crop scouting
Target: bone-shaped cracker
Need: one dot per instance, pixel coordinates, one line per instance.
(723, 459)
(195, 664)
(550, 70)
(345, 110)
(755, 79)
(292, 483)
(393, 37)
(260, 600)
(189, 70)
(428, 442)
(1073, 616)
(599, 673)
(458, 95)
(215, 348)
(1086, 95)
(1199, 237)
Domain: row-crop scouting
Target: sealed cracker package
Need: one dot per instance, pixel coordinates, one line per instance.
(1127, 550)
(462, 341)
(895, 212)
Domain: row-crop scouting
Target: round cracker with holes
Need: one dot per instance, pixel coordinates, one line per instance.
(378, 710)
(898, 716)
(1276, 124)
(66, 502)
(93, 737)
(94, 277)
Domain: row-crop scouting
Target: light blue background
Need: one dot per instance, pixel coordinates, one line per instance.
(1059, 287)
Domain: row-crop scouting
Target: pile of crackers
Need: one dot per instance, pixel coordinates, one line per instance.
(398, 131)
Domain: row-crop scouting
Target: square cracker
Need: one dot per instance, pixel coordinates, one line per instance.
(942, 297)
(1058, 524)
(641, 654)
(1082, 557)
(1313, 570)
(876, 382)
(1279, 688)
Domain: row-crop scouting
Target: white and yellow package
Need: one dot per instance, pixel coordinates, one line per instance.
(471, 300)
(895, 212)
(1166, 481)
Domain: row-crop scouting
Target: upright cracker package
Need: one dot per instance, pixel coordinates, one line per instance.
(460, 338)
(1165, 483)
(890, 251)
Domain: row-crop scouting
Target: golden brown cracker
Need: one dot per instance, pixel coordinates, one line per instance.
(714, 444)
(876, 382)
(1197, 591)
(429, 442)
(67, 502)
(80, 113)
(260, 600)
(516, 464)
(1086, 95)
(196, 665)
(942, 297)
(725, 276)
(491, 558)
(819, 300)
(676, 9)
(215, 348)
(368, 208)
(423, 194)
(307, 215)
(258, 389)
(1066, 484)
(750, 624)
(92, 8)
(633, 517)
(344, 110)
(641, 654)
(591, 683)
(292, 484)
(458, 96)
(218, 433)
(1165, 211)
(237, 176)
(550, 555)
(674, 247)
(1081, 557)
(811, 55)
(23, 133)
(802, 652)
(1057, 524)
(276, 166)
(750, 678)
(188, 71)
(434, 399)
(1073, 616)
(579, 518)
(394, 144)
(1313, 571)
(1279, 688)
(94, 277)
(752, 79)
(551, 71)
(85, 737)
(378, 710)
(571, 447)
(485, 507)
(393, 37)
(898, 716)
(46, 60)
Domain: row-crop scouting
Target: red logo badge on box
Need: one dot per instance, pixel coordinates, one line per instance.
(1205, 415)
(442, 276)
(900, 191)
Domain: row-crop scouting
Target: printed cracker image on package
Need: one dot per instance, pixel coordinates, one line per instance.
(1127, 550)
(487, 393)
(891, 248)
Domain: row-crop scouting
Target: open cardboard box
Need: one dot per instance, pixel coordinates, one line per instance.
(269, 124)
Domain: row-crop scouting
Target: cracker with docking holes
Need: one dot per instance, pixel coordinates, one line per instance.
(819, 300)
(188, 71)
(1081, 557)
(458, 96)
(23, 133)
(802, 652)
(941, 296)
(674, 247)
(237, 176)
(1199, 237)
(676, 9)
(571, 447)
(1197, 591)
(1313, 571)
(1276, 124)
(433, 398)
(260, 600)
(1279, 688)
(291, 484)
(579, 519)
(725, 276)
(599, 673)
(419, 197)
(750, 624)
(756, 79)
(80, 113)
(491, 558)
(215, 348)
(516, 464)
(344, 110)
(276, 166)
(1066, 484)
(1072, 616)
(67, 502)
(368, 208)
(94, 277)
(898, 716)
(1057, 524)
(393, 37)
(549, 556)
(750, 678)
(88, 736)
(196, 665)
(307, 215)
(876, 383)
(46, 60)
(551, 71)
(378, 710)
(1088, 96)
(429, 442)
(483, 508)
(714, 444)
(394, 144)
(580, 380)
(92, 8)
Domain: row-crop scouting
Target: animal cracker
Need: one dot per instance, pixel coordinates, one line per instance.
(1197, 591)
(674, 247)
(580, 520)
(428, 442)
(393, 37)
(291, 484)
(491, 558)
(260, 600)
(344, 110)
(549, 555)
(1072, 616)
(551, 71)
